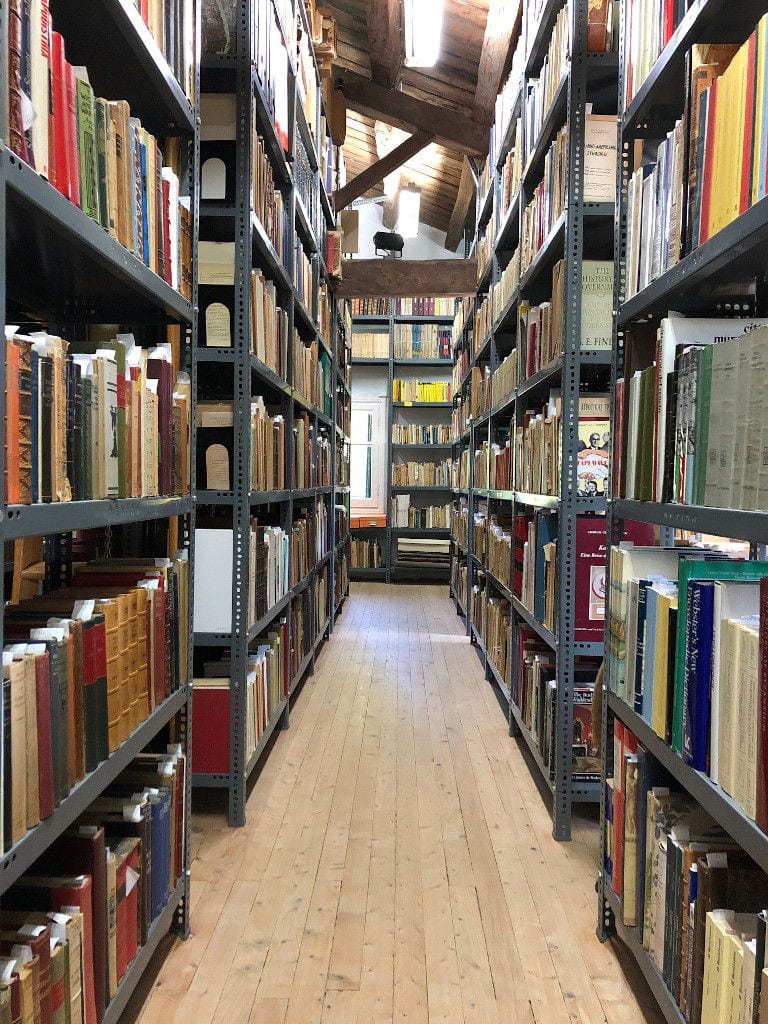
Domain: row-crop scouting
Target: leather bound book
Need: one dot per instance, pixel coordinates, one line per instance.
(15, 761)
(128, 864)
(17, 138)
(31, 754)
(56, 893)
(117, 705)
(38, 938)
(83, 850)
(46, 427)
(10, 1000)
(59, 978)
(109, 813)
(66, 970)
(11, 423)
(24, 442)
(72, 426)
(95, 718)
(44, 749)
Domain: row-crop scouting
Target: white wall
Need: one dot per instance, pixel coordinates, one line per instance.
(429, 244)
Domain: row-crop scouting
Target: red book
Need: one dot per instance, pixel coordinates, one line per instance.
(669, 21)
(762, 720)
(210, 751)
(44, 749)
(12, 479)
(84, 850)
(167, 230)
(58, 135)
(128, 870)
(55, 893)
(709, 155)
(745, 195)
(95, 717)
(73, 152)
(145, 12)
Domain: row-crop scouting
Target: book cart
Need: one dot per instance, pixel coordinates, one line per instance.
(420, 413)
(724, 273)
(487, 335)
(237, 373)
(63, 271)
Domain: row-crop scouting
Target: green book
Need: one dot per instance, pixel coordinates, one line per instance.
(102, 121)
(86, 137)
(700, 569)
(703, 398)
(119, 349)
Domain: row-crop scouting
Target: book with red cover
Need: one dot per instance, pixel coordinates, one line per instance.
(589, 618)
(95, 716)
(83, 850)
(210, 751)
(624, 742)
(127, 853)
(38, 938)
(59, 116)
(53, 893)
(12, 476)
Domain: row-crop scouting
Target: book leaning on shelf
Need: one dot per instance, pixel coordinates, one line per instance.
(111, 423)
(96, 154)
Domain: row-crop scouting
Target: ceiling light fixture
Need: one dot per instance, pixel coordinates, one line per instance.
(423, 32)
(409, 205)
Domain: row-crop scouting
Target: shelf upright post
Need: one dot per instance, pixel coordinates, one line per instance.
(566, 547)
(241, 511)
(181, 919)
(390, 418)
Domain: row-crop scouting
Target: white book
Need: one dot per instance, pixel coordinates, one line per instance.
(746, 704)
(633, 417)
(675, 332)
(213, 581)
(732, 599)
(600, 142)
(39, 35)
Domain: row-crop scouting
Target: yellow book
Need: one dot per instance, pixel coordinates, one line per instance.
(717, 927)
(719, 171)
(737, 128)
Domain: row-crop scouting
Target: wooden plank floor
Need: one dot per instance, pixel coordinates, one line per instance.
(397, 863)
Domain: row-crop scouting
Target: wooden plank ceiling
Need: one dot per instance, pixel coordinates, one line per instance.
(451, 84)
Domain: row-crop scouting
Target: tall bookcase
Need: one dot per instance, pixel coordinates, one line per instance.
(722, 276)
(236, 373)
(62, 272)
(426, 414)
(487, 333)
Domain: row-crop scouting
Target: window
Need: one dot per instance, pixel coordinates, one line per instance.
(367, 456)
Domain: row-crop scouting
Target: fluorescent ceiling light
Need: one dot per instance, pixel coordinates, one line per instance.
(423, 32)
(408, 211)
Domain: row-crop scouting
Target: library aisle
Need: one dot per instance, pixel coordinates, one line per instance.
(397, 863)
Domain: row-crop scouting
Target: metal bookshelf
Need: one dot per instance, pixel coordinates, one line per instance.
(733, 258)
(584, 230)
(61, 269)
(390, 569)
(237, 374)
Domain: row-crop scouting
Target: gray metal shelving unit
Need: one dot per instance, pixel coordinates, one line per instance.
(248, 377)
(389, 569)
(61, 269)
(733, 258)
(584, 230)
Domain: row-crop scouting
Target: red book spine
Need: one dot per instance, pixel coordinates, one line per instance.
(669, 21)
(749, 116)
(210, 752)
(72, 136)
(762, 722)
(709, 155)
(167, 231)
(44, 760)
(59, 116)
(145, 12)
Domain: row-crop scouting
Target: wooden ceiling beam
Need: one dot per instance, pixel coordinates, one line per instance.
(384, 46)
(393, 278)
(503, 23)
(378, 172)
(461, 209)
(452, 130)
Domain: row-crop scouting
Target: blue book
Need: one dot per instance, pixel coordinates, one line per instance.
(144, 206)
(642, 591)
(699, 627)
(546, 532)
(160, 803)
(649, 652)
(135, 166)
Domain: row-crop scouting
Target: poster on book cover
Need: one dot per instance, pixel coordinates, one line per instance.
(592, 456)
